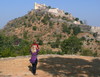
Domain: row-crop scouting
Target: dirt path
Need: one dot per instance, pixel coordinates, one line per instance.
(51, 66)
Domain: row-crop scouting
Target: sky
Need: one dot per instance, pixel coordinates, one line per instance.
(85, 10)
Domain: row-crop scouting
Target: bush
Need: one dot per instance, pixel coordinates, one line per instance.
(34, 28)
(76, 30)
(60, 53)
(45, 51)
(29, 25)
(45, 19)
(83, 38)
(40, 42)
(7, 53)
(49, 7)
(25, 35)
(76, 19)
(66, 13)
(95, 34)
(10, 49)
(56, 43)
(51, 24)
(71, 45)
(87, 52)
(81, 22)
(66, 29)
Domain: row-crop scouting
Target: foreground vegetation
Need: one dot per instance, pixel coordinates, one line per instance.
(13, 46)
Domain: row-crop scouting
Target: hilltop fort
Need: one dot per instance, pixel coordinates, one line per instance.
(58, 12)
(55, 11)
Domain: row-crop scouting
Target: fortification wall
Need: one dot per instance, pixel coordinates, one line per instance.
(39, 6)
(96, 30)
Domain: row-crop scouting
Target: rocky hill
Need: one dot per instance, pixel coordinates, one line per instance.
(49, 24)
(51, 66)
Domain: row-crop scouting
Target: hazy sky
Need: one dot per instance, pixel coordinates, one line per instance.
(86, 10)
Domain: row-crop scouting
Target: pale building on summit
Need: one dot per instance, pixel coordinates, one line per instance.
(55, 11)
(39, 6)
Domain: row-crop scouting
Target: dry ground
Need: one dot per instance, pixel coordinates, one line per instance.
(51, 66)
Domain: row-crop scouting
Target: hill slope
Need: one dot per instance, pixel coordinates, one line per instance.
(51, 25)
(51, 66)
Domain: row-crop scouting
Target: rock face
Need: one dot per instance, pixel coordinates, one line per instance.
(96, 30)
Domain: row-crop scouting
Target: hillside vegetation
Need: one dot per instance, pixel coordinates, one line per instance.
(55, 35)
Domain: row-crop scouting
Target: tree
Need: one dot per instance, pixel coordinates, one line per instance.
(34, 28)
(25, 34)
(71, 45)
(95, 34)
(40, 42)
(45, 19)
(66, 13)
(81, 22)
(56, 43)
(76, 19)
(76, 30)
(66, 29)
(51, 24)
(49, 7)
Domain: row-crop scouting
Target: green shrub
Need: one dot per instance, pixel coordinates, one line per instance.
(45, 51)
(29, 25)
(25, 34)
(66, 13)
(7, 52)
(40, 42)
(87, 52)
(81, 22)
(83, 38)
(51, 24)
(71, 45)
(95, 34)
(45, 19)
(34, 28)
(54, 45)
(76, 19)
(66, 29)
(49, 7)
(60, 53)
(76, 30)
(10, 49)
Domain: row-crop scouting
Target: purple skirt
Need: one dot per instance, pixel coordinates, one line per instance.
(34, 56)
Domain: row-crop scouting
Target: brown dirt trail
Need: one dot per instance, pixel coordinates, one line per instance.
(51, 66)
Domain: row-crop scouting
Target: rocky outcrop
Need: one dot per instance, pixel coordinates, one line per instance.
(96, 30)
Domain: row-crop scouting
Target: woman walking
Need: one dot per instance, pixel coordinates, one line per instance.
(34, 53)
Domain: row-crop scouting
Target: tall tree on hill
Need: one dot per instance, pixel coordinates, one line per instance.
(71, 45)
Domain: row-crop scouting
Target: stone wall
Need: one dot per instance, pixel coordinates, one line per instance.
(96, 30)
(39, 6)
(56, 11)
